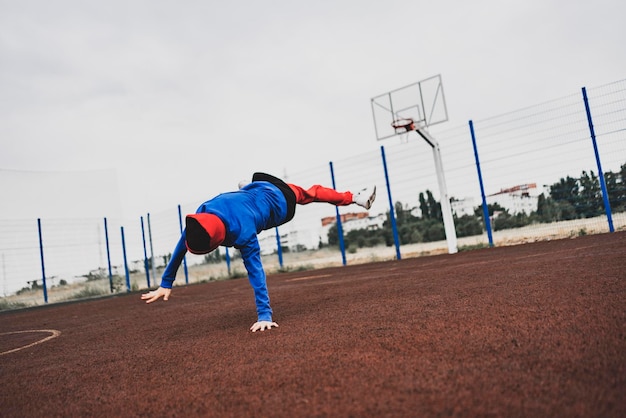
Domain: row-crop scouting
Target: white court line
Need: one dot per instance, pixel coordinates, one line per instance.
(54, 333)
(307, 278)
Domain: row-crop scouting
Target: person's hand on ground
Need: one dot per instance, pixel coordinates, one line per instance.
(262, 326)
(156, 294)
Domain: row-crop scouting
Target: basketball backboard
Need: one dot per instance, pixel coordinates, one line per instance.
(422, 103)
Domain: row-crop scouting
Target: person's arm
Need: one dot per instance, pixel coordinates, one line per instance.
(169, 275)
(251, 255)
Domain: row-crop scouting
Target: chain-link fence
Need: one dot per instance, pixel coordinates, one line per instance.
(528, 175)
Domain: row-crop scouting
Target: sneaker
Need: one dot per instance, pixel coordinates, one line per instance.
(365, 197)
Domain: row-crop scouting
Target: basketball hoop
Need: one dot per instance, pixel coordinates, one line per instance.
(403, 125)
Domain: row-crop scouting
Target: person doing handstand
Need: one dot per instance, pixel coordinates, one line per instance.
(234, 219)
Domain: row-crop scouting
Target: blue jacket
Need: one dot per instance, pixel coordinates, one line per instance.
(258, 206)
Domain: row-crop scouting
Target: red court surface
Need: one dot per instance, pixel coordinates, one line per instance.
(535, 330)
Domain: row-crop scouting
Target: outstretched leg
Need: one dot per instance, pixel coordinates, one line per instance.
(318, 193)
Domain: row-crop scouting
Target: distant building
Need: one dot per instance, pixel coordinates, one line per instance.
(517, 199)
(347, 217)
(294, 240)
(352, 221)
(462, 207)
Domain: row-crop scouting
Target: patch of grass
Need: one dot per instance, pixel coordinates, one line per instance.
(473, 247)
(289, 269)
(5, 305)
(212, 279)
(88, 292)
(237, 274)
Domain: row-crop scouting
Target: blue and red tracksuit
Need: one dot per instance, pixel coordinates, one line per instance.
(265, 203)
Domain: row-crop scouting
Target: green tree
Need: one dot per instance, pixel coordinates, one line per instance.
(589, 200)
(213, 257)
(616, 189)
(565, 211)
(333, 235)
(424, 206)
(434, 231)
(434, 207)
(401, 214)
(491, 209)
(467, 225)
(566, 189)
(546, 209)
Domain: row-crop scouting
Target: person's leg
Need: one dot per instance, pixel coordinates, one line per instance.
(319, 193)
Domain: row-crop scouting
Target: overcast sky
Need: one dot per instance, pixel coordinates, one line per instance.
(182, 99)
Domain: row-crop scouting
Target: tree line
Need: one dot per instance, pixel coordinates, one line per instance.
(569, 198)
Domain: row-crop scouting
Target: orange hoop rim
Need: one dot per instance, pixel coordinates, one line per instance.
(403, 123)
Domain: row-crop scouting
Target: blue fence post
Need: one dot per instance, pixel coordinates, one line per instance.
(152, 260)
(279, 249)
(106, 239)
(145, 253)
(392, 216)
(227, 260)
(605, 194)
(180, 226)
(125, 260)
(482, 187)
(339, 227)
(43, 264)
